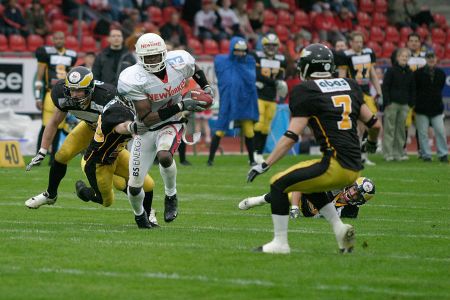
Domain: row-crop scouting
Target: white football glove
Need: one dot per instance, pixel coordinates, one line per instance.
(192, 105)
(37, 159)
(257, 170)
(209, 90)
(137, 128)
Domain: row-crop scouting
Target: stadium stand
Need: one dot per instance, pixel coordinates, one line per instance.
(210, 47)
(34, 41)
(17, 43)
(3, 43)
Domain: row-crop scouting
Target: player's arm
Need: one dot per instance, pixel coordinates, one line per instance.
(39, 84)
(122, 128)
(375, 82)
(200, 78)
(342, 71)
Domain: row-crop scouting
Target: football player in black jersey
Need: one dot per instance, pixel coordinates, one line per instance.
(270, 74)
(106, 156)
(84, 98)
(331, 107)
(53, 64)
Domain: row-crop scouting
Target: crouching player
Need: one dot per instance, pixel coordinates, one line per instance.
(106, 156)
(346, 201)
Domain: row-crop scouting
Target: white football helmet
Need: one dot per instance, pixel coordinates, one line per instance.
(282, 88)
(151, 44)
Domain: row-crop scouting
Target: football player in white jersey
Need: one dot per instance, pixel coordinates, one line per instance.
(155, 84)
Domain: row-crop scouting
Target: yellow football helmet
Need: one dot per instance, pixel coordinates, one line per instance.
(270, 44)
(79, 78)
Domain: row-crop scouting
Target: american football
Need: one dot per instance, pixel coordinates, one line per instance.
(200, 95)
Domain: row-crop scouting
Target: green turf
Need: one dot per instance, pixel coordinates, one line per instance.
(77, 250)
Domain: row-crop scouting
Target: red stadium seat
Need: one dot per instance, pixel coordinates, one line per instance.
(392, 34)
(441, 20)
(187, 29)
(195, 45)
(364, 19)
(84, 27)
(154, 14)
(379, 20)
(366, 6)
(104, 43)
(17, 43)
(72, 43)
(49, 40)
(34, 41)
(301, 19)
(439, 50)
(282, 32)
(88, 44)
(60, 25)
(376, 34)
(224, 46)
(376, 48)
(3, 43)
(388, 48)
(210, 47)
(438, 36)
(270, 18)
(422, 32)
(447, 51)
(381, 6)
(404, 33)
(284, 18)
(2, 9)
(167, 13)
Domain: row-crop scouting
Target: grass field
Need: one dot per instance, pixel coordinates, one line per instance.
(77, 250)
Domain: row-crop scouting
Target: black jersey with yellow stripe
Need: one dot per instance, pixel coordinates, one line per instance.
(358, 66)
(332, 106)
(268, 71)
(107, 144)
(103, 93)
(57, 62)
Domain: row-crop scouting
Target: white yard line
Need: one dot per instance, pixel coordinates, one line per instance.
(368, 289)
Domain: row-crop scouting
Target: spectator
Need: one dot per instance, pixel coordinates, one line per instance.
(89, 59)
(244, 23)
(207, 22)
(131, 22)
(190, 9)
(296, 46)
(399, 91)
(119, 8)
(256, 16)
(173, 32)
(430, 81)
(113, 59)
(343, 21)
(326, 26)
(36, 20)
(229, 20)
(13, 20)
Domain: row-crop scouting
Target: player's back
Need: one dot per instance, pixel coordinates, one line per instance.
(332, 106)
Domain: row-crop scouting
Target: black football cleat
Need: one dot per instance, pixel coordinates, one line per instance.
(143, 222)
(79, 186)
(170, 208)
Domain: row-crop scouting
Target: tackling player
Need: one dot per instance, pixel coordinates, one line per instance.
(84, 98)
(155, 84)
(106, 156)
(331, 107)
(346, 201)
(358, 63)
(53, 64)
(270, 73)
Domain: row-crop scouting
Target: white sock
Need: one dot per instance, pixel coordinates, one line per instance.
(330, 214)
(294, 207)
(137, 202)
(169, 176)
(280, 229)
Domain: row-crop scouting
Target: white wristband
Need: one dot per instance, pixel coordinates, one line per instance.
(38, 84)
(43, 151)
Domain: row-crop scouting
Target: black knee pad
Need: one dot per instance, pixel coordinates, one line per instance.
(134, 191)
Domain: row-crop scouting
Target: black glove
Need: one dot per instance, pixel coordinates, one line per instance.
(193, 105)
(37, 159)
(369, 146)
(257, 170)
(137, 127)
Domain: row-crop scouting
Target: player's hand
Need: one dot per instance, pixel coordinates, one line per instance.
(37, 159)
(39, 104)
(209, 90)
(369, 146)
(193, 105)
(137, 128)
(257, 170)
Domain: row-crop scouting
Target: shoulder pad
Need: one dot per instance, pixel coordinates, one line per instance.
(70, 52)
(366, 50)
(179, 58)
(50, 49)
(280, 57)
(260, 54)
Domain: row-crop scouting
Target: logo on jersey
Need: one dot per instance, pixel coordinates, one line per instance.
(168, 92)
(332, 85)
(11, 79)
(74, 77)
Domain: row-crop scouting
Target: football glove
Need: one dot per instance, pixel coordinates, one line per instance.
(209, 90)
(369, 146)
(137, 127)
(257, 170)
(37, 159)
(192, 105)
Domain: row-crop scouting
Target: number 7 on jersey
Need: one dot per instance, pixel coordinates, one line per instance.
(346, 102)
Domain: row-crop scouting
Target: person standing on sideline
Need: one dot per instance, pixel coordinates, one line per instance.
(331, 107)
(399, 90)
(236, 78)
(155, 85)
(112, 60)
(430, 80)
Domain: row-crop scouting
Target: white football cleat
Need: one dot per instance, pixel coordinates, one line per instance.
(345, 237)
(252, 202)
(39, 200)
(152, 217)
(274, 248)
(259, 159)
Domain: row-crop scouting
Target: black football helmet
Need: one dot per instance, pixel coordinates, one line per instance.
(316, 60)
(79, 78)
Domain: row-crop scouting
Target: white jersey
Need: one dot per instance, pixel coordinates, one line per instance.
(136, 84)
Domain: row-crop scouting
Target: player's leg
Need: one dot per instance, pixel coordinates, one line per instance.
(85, 192)
(249, 134)
(260, 137)
(143, 152)
(47, 112)
(370, 102)
(294, 213)
(167, 142)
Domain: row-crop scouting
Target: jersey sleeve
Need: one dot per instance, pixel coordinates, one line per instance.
(130, 84)
(57, 95)
(299, 104)
(182, 61)
(41, 55)
(113, 116)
